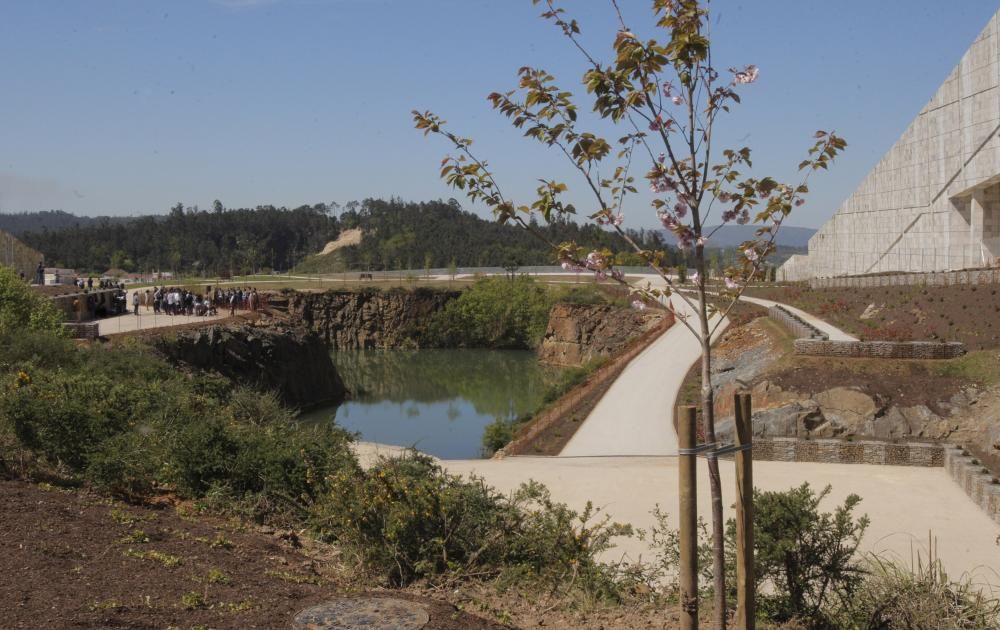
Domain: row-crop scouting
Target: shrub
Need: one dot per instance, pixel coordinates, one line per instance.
(406, 519)
(494, 313)
(496, 435)
(125, 421)
(21, 310)
(805, 559)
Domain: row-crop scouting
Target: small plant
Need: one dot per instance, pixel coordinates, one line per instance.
(107, 604)
(193, 601)
(216, 576)
(165, 559)
(123, 517)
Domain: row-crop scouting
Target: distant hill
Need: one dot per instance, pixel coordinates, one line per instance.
(51, 220)
(14, 253)
(732, 235)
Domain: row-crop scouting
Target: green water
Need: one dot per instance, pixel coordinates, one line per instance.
(438, 401)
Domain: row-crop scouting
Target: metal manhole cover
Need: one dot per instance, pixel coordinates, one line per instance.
(369, 613)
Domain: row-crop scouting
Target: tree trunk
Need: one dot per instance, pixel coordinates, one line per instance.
(714, 481)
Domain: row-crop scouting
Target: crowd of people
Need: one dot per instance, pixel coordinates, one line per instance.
(178, 301)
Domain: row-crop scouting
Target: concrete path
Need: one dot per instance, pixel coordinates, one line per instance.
(148, 319)
(635, 416)
(904, 503)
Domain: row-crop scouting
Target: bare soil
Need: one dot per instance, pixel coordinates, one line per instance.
(72, 559)
(966, 313)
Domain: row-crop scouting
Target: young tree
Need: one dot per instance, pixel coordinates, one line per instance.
(666, 96)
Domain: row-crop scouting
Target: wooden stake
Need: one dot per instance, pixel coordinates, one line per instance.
(687, 418)
(745, 602)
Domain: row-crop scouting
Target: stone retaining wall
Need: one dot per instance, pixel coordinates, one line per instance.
(938, 279)
(798, 326)
(849, 452)
(977, 482)
(85, 330)
(879, 349)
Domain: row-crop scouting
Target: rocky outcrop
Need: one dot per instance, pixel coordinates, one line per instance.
(356, 320)
(850, 412)
(578, 333)
(293, 362)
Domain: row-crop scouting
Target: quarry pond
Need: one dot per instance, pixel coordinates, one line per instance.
(437, 401)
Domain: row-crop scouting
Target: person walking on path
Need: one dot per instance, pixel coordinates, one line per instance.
(135, 303)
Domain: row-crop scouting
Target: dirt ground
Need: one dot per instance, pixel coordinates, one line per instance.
(71, 559)
(966, 313)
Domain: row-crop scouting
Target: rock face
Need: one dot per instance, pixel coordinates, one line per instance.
(578, 333)
(356, 320)
(842, 412)
(291, 361)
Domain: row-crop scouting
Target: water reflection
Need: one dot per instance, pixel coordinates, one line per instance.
(436, 400)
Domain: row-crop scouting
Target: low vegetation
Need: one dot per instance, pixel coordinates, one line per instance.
(122, 421)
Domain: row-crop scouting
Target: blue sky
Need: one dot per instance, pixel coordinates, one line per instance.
(124, 107)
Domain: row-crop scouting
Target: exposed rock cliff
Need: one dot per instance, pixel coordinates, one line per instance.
(578, 333)
(291, 361)
(352, 320)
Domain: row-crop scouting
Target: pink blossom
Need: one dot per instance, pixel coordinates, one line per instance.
(694, 277)
(595, 261)
(723, 196)
(678, 100)
(751, 254)
(618, 219)
(638, 305)
(799, 202)
(667, 88)
(728, 215)
(659, 185)
(667, 220)
(701, 240)
(746, 75)
(680, 209)
(744, 218)
(731, 284)
(618, 275)
(661, 158)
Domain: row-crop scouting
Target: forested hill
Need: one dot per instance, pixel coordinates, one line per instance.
(396, 235)
(191, 240)
(434, 234)
(52, 220)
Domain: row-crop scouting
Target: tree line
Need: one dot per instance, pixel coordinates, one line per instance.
(396, 235)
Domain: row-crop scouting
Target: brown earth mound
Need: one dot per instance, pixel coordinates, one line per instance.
(966, 313)
(75, 560)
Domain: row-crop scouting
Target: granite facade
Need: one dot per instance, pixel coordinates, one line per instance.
(933, 202)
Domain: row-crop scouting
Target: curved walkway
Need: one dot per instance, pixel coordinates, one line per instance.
(635, 416)
(832, 331)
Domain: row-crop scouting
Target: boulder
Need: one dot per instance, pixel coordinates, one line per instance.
(847, 410)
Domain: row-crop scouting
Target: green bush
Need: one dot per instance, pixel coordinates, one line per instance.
(494, 313)
(496, 435)
(21, 310)
(126, 421)
(805, 559)
(406, 519)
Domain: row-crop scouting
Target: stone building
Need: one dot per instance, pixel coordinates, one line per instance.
(933, 201)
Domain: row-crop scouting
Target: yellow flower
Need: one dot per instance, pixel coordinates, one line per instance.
(23, 378)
